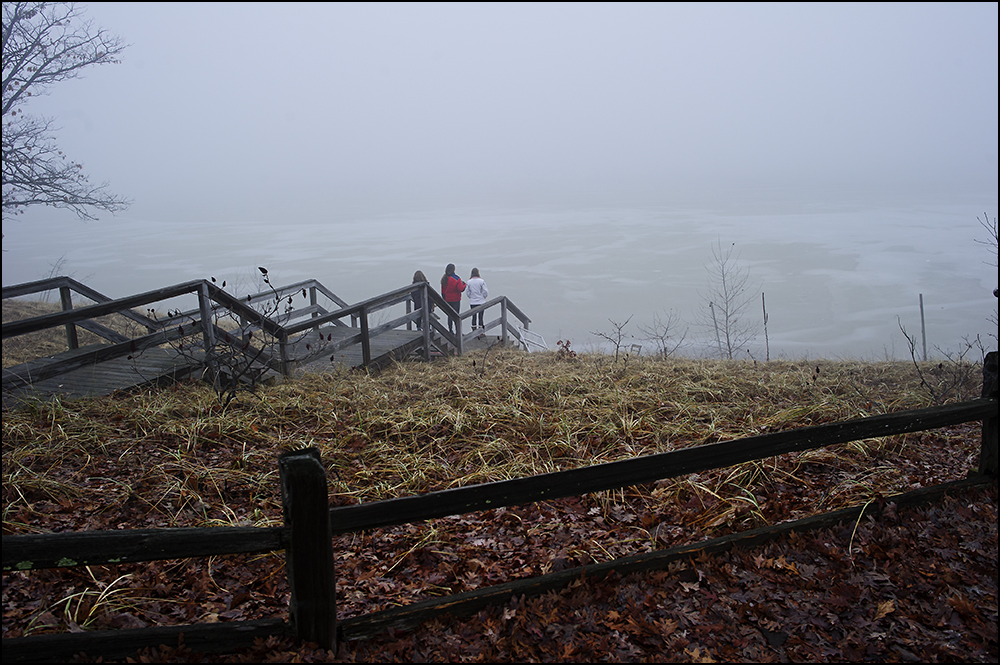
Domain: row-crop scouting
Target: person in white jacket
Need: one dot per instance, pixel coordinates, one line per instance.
(478, 293)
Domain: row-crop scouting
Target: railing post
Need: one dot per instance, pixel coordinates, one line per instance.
(366, 344)
(309, 552)
(286, 360)
(313, 301)
(208, 332)
(425, 320)
(67, 304)
(988, 451)
(503, 320)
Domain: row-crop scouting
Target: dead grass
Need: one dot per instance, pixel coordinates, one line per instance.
(419, 427)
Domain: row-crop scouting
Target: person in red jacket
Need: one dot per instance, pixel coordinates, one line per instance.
(452, 287)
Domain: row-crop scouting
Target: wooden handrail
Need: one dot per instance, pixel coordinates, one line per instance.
(38, 286)
(313, 316)
(15, 328)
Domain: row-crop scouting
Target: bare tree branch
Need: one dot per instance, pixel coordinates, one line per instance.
(45, 43)
(663, 333)
(993, 239)
(991, 243)
(616, 338)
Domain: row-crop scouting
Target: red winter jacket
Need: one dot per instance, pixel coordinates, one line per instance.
(452, 289)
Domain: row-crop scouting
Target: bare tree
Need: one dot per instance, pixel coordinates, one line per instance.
(954, 378)
(991, 243)
(44, 43)
(617, 338)
(728, 298)
(993, 239)
(663, 333)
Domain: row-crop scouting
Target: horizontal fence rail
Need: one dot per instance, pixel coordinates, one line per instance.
(650, 468)
(96, 548)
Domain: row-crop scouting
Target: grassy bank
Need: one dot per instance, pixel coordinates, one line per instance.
(420, 427)
(176, 457)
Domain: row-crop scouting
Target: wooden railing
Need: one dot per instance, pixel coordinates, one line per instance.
(309, 524)
(70, 318)
(457, 341)
(284, 327)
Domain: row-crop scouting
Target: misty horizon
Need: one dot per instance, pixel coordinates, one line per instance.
(289, 131)
(280, 111)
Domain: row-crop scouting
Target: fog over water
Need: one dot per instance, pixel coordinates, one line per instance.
(838, 280)
(584, 157)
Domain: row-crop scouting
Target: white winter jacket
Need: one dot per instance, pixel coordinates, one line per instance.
(477, 291)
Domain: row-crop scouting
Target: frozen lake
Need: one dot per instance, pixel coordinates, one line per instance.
(836, 276)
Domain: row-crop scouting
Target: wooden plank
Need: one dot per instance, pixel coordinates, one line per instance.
(650, 468)
(92, 548)
(38, 286)
(153, 366)
(98, 353)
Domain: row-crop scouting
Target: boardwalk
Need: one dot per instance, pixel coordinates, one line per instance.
(162, 366)
(306, 338)
(156, 367)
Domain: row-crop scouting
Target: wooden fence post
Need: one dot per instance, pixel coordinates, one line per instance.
(988, 452)
(309, 552)
(283, 351)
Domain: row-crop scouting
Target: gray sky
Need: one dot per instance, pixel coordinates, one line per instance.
(269, 112)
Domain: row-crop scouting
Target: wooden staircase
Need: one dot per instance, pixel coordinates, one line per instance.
(256, 344)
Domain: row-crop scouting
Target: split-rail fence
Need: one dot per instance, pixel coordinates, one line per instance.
(309, 524)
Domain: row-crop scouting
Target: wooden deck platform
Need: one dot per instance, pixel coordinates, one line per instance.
(160, 366)
(385, 348)
(153, 367)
